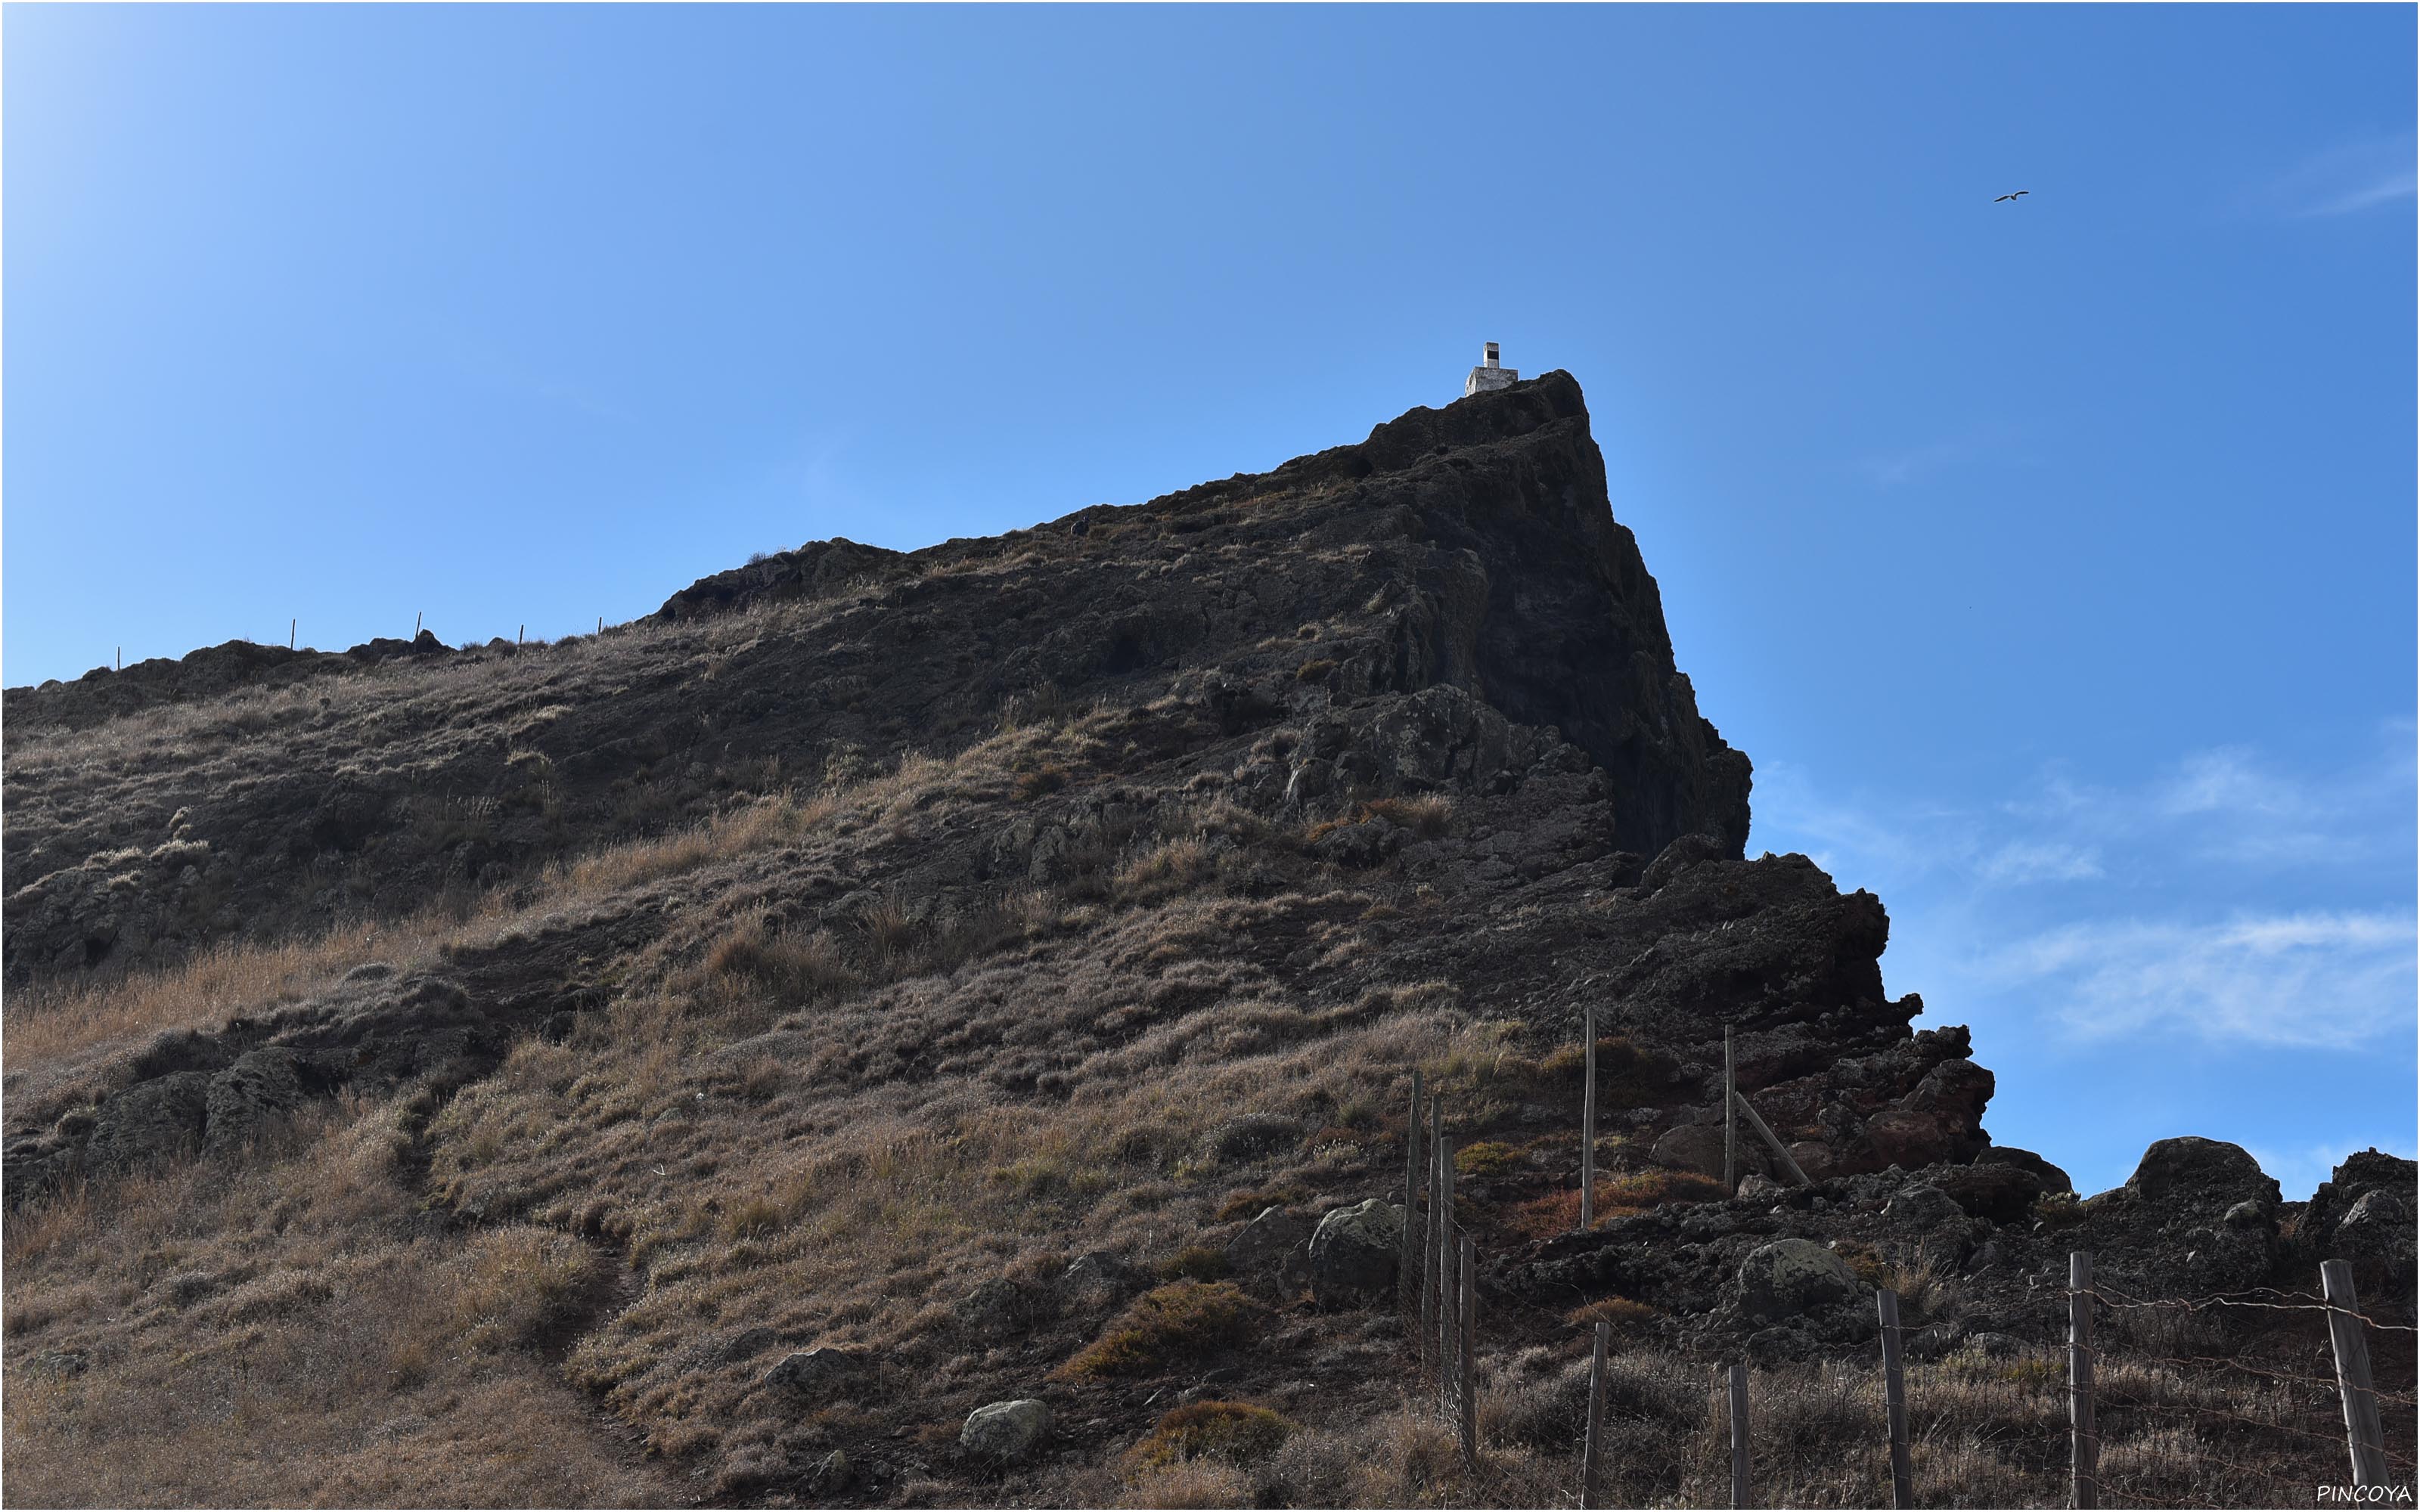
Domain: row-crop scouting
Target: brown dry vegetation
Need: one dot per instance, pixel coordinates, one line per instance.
(827, 1131)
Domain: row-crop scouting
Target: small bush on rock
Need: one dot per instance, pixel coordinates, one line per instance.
(1164, 1326)
(1236, 1432)
(1194, 1262)
(1488, 1157)
(1622, 1313)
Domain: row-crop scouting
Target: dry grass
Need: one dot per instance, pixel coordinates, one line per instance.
(385, 1370)
(1622, 1313)
(1235, 1431)
(1165, 1327)
(832, 1125)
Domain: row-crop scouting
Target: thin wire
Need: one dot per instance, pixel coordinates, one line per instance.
(2106, 1300)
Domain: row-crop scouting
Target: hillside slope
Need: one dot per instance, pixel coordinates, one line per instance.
(985, 964)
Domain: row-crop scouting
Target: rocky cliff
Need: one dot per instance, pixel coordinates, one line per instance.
(883, 987)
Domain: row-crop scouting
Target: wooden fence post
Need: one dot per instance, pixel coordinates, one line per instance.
(415, 622)
(1772, 1142)
(1407, 1265)
(293, 626)
(2083, 1473)
(1468, 1352)
(1739, 1435)
(1588, 1127)
(1895, 1401)
(1731, 1120)
(1429, 1273)
(2363, 1434)
(1593, 1444)
(1446, 1292)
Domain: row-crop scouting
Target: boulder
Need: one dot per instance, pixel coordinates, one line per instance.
(248, 1097)
(1000, 1309)
(1790, 1276)
(1939, 1121)
(1098, 1281)
(1924, 1210)
(1759, 1188)
(2204, 1176)
(150, 1120)
(1354, 1252)
(815, 1372)
(2379, 1228)
(2001, 1194)
(2360, 1173)
(833, 1474)
(1006, 1431)
(1274, 1243)
(1699, 1147)
(1816, 1158)
(2052, 1179)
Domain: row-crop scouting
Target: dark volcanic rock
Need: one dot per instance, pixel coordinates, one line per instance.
(2052, 1179)
(1468, 554)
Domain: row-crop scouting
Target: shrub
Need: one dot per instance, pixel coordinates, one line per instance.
(2060, 1210)
(513, 1286)
(1426, 815)
(753, 1218)
(1626, 1075)
(1653, 1189)
(1622, 1313)
(1314, 670)
(1164, 1326)
(749, 952)
(1488, 1157)
(1236, 1432)
(1867, 1263)
(1171, 866)
(1194, 1262)
(1040, 783)
(1251, 1204)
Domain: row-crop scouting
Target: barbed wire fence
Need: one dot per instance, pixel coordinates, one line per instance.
(2164, 1404)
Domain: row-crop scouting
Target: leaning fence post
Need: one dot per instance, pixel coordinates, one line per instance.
(1772, 1141)
(2363, 1434)
(1739, 1435)
(293, 626)
(1588, 1127)
(1731, 1120)
(1407, 1265)
(2084, 1454)
(1593, 1443)
(1895, 1401)
(1469, 1352)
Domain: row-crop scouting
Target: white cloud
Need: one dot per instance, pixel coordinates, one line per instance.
(2021, 861)
(2222, 899)
(2343, 179)
(2330, 979)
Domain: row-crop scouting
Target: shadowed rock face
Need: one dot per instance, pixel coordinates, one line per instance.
(1469, 551)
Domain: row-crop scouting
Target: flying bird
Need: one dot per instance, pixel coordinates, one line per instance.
(2019, 195)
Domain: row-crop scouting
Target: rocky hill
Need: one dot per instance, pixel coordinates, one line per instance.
(735, 1048)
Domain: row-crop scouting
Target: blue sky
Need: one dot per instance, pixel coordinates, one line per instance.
(2053, 559)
